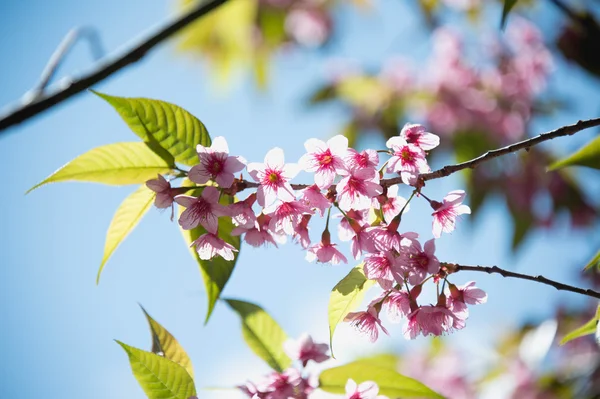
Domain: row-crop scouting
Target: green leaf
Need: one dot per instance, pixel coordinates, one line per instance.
(128, 215)
(262, 334)
(345, 297)
(383, 360)
(508, 6)
(216, 271)
(160, 378)
(586, 329)
(162, 123)
(116, 164)
(390, 382)
(588, 155)
(594, 263)
(164, 343)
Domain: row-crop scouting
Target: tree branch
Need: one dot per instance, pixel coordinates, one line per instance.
(29, 107)
(453, 268)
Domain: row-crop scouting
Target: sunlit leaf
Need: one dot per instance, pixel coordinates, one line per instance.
(345, 297)
(586, 329)
(390, 382)
(115, 164)
(162, 123)
(594, 263)
(383, 360)
(160, 378)
(588, 155)
(262, 334)
(508, 6)
(165, 344)
(128, 215)
(216, 271)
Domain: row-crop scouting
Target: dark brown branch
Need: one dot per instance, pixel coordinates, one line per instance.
(33, 106)
(453, 268)
(473, 163)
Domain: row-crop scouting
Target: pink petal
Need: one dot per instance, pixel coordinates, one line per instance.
(211, 194)
(234, 164)
(275, 158)
(455, 196)
(338, 145)
(219, 144)
(198, 174)
(314, 145)
(225, 180)
(185, 200)
(324, 178)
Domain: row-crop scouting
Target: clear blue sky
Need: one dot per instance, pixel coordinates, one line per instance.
(58, 326)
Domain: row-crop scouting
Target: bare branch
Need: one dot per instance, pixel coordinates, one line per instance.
(33, 106)
(453, 268)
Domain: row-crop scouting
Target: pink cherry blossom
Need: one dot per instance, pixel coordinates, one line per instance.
(258, 234)
(241, 212)
(347, 228)
(407, 159)
(301, 234)
(367, 159)
(209, 245)
(416, 134)
(285, 216)
(286, 385)
(379, 267)
(203, 210)
(163, 190)
(367, 323)
(398, 305)
(445, 214)
(304, 349)
(468, 293)
(357, 188)
(313, 197)
(430, 320)
(325, 252)
(391, 204)
(365, 390)
(216, 164)
(324, 159)
(420, 262)
(273, 176)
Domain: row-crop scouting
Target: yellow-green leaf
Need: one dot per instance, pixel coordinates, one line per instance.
(588, 155)
(383, 360)
(128, 215)
(594, 263)
(262, 334)
(160, 378)
(390, 382)
(216, 271)
(115, 164)
(164, 124)
(586, 329)
(345, 297)
(165, 344)
(508, 6)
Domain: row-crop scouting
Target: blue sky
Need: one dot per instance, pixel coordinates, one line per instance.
(59, 327)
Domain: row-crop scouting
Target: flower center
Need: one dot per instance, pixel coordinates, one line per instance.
(407, 155)
(325, 158)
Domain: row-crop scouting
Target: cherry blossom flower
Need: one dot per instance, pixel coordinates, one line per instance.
(398, 305)
(312, 197)
(163, 190)
(273, 176)
(429, 320)
(379, 267)
(216, 164)
(286, 385)
(367, 323)
(324, 159)
(202, 210)
(357, 188)
(366, 159)
(354, 230)
(408, 160)
(444, 215)
(258, 234)
(416, 134)
(285, 216)
(209, 245)
(391, 204)
(304, 349)
(364, 390)
(325, 252)
(301, 234)
(241, 212)
(462, 295)
(420, 262)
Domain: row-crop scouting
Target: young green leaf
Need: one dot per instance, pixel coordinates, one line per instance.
(162, 123)
(117, 164)
(508, 5)
(216, 271)
(588, 155)
(586, 329)
(166, 345)
(594, 262)
(390, 382)
(345, 297)
(262, 334)
(160, 378)
(128, 215)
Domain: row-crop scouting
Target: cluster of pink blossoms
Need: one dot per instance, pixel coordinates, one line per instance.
(370, 211)
(296, 382)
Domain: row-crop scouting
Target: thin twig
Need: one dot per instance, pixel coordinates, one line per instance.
(450, 169)
(27, 109)
(453, 268)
